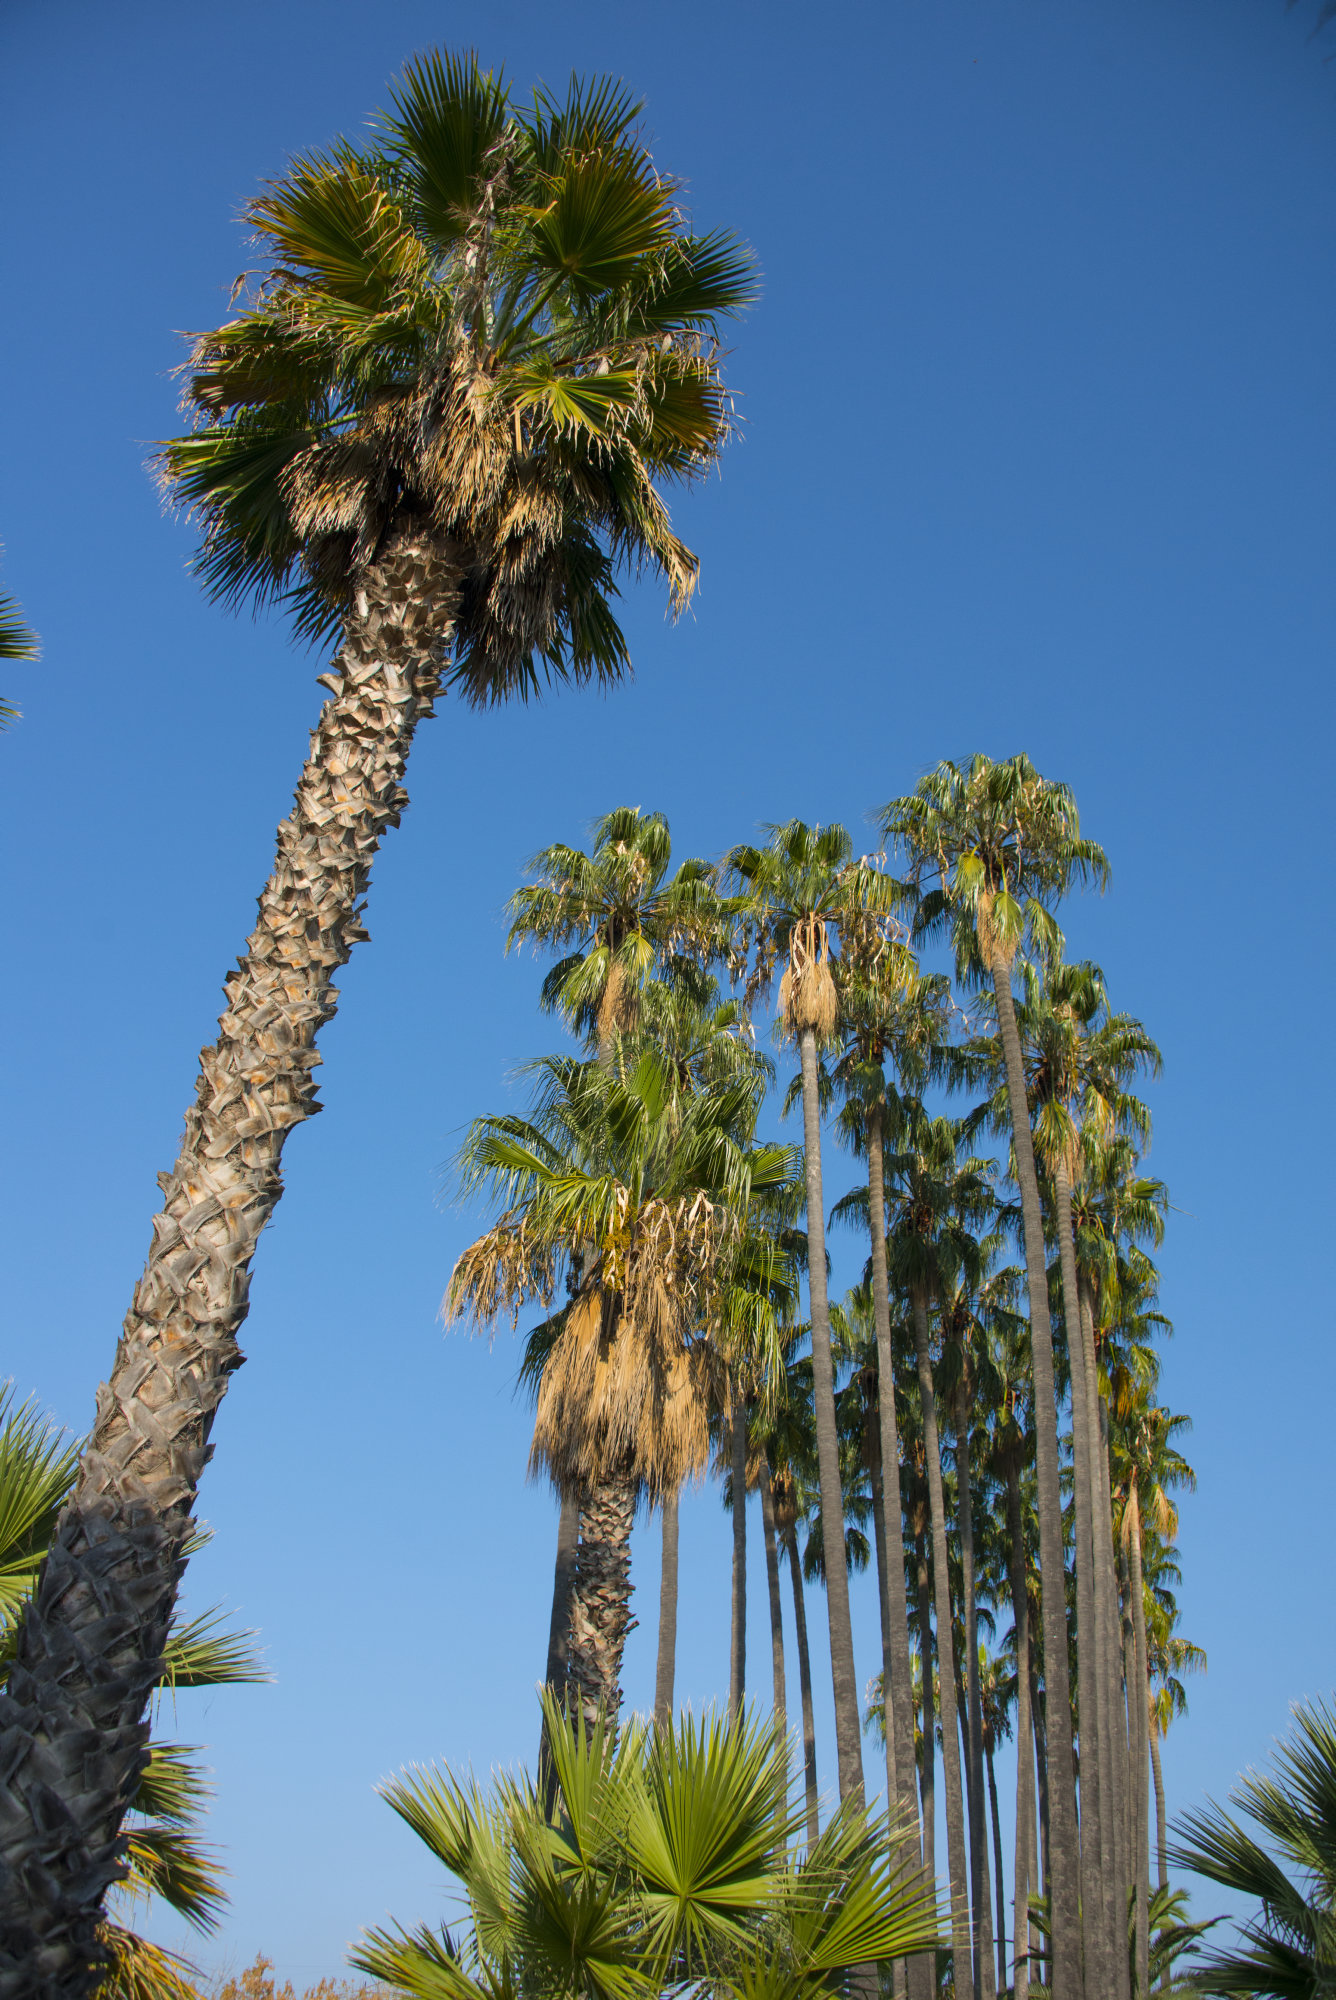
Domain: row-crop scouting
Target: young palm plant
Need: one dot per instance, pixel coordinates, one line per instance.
(664, 1868)
(477, 349)
(990, 848)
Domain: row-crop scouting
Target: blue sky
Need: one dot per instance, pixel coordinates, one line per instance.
(1039, 414)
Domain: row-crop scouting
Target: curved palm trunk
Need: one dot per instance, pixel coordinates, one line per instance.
(1138, 1705)
(601, 1596)
(666, 1668)
(897, 1674)
(962, 1956)
(1064, 1849)
(559, 1630)
(997, 1867)
(1020, 1612)
(929, 1775)
(974, 1706)
(848, 1734)
(1097, 1898)
(72, 1727)
(805, 1691)
(737, 1652)
(776, 1606)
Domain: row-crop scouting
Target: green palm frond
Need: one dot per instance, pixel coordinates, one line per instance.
(199, 1654)
(37, 1467)
(141, 1970)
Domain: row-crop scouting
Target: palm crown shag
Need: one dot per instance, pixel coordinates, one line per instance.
(440, 423)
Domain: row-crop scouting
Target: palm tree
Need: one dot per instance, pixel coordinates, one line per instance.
(439, 426)
(1289, 1947)
(650, 1196)
(16, 643)
(793, 891)
(164, 1855)
(1170, 1658)
(624, 917)
(1003, 844)
(667, 1869)
(933, 1196)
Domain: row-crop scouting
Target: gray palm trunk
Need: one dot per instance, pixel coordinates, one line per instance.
(1064, 1848)
(1001, 1883)
(805, 1692)
(1113, 1735)
(897, 1681)
(601, 1595)
(72, 1725)
(973, 1733)
(1039, 1725)
(666, 1665)
(929, 1775)
(1161, 1825)
(1020, 1611)
(848, 1734)
(737, 1651)
(1139, 1710)
(957, 1869)
(1098, 1898)
(776, 1605)
(559, 1627)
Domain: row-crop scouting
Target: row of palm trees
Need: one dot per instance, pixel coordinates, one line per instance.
(662, 1236)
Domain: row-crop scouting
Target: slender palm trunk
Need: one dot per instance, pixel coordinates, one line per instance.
(1138, 1705)
(666, 1670)
(962, 1957)
(776, 1605)
(1064, 1884)
(90, 1649)
(1161, 1831)
(1039, 1724)
(601, 1596)
(973, 1732)
(737, 1652)
(1098, 1902)
(898, 1674)
(997, 1869)
(848, 1734)
(559, 1629)
(1111, 1761)
(1020, 1611)
(805, 1690)
(929, 1774)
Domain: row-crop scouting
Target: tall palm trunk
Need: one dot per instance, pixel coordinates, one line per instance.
(776, 1607)
(1161, 1829)
(848, 1734)
(1098, 1901)
(1038, 1723)
(962, 1957)
(1064, 1850)
(90, 1649)
(666, 1667)
(1138, 1708)
(737, 1652)
(997, 1866)
(929, 1775)
(1113, 1770)
(559, 1629)
(974, 1705)
(897, 1677)
(1020, 1612)
(805, 1691)
(601, 1595)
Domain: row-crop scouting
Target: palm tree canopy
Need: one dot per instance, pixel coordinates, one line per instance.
(1003, 843)
(490, 323)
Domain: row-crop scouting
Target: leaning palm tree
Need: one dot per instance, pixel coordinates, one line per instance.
(793, 891)
(990, 847)
(440, 424)
(1287, 1950)
(651, 1201)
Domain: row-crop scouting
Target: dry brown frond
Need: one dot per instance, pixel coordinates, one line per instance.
(807, 997)
(500, 1273)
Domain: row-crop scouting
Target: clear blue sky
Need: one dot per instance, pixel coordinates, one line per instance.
(1039, 410)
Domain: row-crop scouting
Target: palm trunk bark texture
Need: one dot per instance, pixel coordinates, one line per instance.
(601, 1596)
(666, 1666)
(72, 1722)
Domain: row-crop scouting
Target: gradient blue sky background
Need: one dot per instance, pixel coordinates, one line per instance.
(1039, 410)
